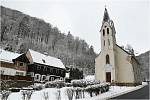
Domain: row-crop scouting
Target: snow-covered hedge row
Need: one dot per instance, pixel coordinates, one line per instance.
(83, 83)
(79, 92)
(55, 84)
(98, 88)
(74, 83)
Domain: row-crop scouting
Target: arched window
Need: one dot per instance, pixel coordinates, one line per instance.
(104, 42)
(107, 59)
(108, 42)
(107, 30)
(103, 32)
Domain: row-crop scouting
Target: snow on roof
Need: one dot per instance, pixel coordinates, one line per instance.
(8, 56)
(45, 59)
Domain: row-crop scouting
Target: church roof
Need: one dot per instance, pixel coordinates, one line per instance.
(106, 16)
(45, 59)
(107, 19)
(132, 55)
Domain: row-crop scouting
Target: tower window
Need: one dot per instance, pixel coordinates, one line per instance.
(104, 42)
(108, 42)
(103, 32)
(107, 30)
(107, 59)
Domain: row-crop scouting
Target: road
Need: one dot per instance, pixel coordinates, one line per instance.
(142, 93)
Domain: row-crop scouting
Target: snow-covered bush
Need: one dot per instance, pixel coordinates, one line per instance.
(96, 89)
(69, 92)
(55, 84)
(78, 83)
(40, 87)
(37, 86)
(92, 82)
(84, 83)
(68, 84)
(4, 95)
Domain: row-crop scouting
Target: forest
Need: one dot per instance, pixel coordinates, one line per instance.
(20, 32)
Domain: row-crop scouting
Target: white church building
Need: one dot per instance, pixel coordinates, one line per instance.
(114, 64)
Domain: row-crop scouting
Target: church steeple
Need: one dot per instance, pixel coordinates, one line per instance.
(106, 16)
(108, 40)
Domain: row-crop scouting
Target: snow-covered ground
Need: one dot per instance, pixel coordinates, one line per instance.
(53, 92)
(115, 91)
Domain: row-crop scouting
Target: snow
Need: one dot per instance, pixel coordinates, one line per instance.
(114, 91)
(45, 59)
(7, 56)
(52, 92)
(90, 77)
(67, 75)
(39, 95)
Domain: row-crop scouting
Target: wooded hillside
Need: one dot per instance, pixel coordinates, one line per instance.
(20, 32)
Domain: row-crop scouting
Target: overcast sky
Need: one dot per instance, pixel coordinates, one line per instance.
(83, 18)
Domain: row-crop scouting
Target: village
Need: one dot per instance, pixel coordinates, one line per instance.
(35, 75)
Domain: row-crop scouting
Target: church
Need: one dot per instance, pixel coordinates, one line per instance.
(114, 64)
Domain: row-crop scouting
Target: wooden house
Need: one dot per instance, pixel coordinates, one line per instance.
(42, 67)
(8, 67)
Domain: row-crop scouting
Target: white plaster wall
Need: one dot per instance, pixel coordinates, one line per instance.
(125, 70)
(99, 70)
(8, 71)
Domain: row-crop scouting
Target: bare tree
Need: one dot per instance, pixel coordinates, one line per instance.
(58, 95)
(4, 95)
(45, 95)
(69, 92)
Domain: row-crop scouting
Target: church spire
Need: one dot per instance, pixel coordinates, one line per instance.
(106, 16)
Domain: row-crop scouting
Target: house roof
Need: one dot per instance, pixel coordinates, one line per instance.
(8, 56)
(45, 59)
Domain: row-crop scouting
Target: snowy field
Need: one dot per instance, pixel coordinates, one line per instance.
(52, 93)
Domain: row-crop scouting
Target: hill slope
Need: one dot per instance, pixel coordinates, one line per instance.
(144, 60)
(20, 32)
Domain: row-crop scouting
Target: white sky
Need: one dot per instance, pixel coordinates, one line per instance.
(84, 18)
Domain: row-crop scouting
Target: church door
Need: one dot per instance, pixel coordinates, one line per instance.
(108, 76)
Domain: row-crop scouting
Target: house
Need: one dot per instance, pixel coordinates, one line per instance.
(8, 67)
(41, 66)
(114, 64)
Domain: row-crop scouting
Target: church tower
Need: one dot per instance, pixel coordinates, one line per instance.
(108, 44)
(108, 39)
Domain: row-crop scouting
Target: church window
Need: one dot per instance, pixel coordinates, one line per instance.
(107, 30)
(107, 59)
(104, 42)
(108, 42)
(103, 32)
